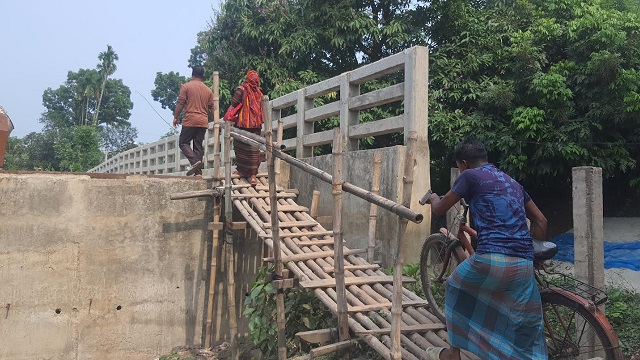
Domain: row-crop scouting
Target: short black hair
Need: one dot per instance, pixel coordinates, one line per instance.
(197, 71)
(472, 150)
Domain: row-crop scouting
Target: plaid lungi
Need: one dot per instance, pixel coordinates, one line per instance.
(493, 308)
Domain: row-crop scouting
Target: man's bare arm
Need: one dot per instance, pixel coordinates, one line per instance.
(538, 221)
(440, 206)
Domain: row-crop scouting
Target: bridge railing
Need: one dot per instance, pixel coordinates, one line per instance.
(298, 110)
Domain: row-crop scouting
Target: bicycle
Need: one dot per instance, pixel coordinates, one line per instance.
(574, 326)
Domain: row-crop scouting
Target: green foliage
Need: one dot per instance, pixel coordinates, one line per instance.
(623, 311)
(548, 85)
(16, 156)
(167, 89)
(78, 150)
(303, 312)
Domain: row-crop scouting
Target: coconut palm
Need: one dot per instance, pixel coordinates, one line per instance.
(106, 67)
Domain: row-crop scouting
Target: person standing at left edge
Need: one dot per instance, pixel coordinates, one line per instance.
(196, 99)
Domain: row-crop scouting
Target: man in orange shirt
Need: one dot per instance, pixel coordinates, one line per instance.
(196, 99)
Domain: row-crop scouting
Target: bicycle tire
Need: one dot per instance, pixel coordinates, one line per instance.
(564, 332)
(431, 261)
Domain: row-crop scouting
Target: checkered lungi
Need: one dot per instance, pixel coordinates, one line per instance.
(493, 308)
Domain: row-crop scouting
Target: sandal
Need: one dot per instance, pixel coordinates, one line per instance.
(253, 180)
(433, 353)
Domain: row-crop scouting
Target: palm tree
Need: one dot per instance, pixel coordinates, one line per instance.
(106, 67)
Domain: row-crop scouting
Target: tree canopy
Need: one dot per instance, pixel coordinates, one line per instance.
(546, 84)
(85, 117)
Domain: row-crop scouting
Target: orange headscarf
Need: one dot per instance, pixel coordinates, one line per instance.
(251, 111)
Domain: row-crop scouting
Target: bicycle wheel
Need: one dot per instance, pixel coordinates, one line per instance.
(573, 332)
(432, 259)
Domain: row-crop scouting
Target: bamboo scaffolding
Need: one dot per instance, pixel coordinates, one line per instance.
(373, 210)
(379, 298)
(231, 286)
(299, 270)
(275, 229)
(384, 203)
(396, 309)
(213, 269)
(413, 343)
(338, 266)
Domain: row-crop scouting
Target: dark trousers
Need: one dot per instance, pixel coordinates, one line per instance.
(195, 134)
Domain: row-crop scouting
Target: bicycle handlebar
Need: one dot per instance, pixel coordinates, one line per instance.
(425, 198)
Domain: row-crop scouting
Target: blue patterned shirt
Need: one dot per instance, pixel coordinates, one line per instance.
(496, 202)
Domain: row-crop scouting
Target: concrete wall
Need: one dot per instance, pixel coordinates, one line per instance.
(359, 171)
(105, 268)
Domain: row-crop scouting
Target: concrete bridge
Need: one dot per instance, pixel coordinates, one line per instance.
(103, 265)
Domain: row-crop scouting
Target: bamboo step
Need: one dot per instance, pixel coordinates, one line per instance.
(329, 269)
(285, 208)
(288, 224)
(315, 255)
(366, 280)
(404, 329)
(318, 242)
(386, 305)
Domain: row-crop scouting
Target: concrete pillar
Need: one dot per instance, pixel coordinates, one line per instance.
(587, 225)
(348, 117)
(5, 129)
(416, 86)
(304, 128)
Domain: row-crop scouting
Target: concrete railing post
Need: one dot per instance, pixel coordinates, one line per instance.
(588, 230)
(588, 233)
(416, 121)
(347, 116)
(304, 128)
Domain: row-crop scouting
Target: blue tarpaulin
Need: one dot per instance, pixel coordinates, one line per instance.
(616, 255)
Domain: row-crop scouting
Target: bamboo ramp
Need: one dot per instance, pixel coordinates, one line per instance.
(368, 290)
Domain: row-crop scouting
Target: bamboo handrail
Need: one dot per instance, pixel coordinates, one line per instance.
(275, 230)
(373, 209)
(338, 265)
(384, 203)
(231, 286)
(216, 211)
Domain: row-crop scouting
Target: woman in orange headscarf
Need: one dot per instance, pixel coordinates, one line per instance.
(250, 119)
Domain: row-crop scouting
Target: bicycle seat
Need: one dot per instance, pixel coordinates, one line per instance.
(544, 250)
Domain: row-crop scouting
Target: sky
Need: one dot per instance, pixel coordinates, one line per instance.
(42, 40)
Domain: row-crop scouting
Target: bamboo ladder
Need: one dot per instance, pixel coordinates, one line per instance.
(355, 290)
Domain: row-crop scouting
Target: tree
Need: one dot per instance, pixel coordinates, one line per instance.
(546, 84)
(106, 68)
(117, 138)
(167, 89)
(78, 149)
(317, 39)
(16, 157)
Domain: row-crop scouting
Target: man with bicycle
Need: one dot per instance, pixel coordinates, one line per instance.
(492, 305)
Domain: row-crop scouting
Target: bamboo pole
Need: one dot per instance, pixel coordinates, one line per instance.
(396, 309)
(387, 204)
(315, 202)
(216, 212)
(338, 264)
(216, 125)
(373, 210)
(228, 207)
(275, 229)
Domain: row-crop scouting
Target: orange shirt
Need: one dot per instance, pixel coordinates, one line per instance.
(197, 100)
